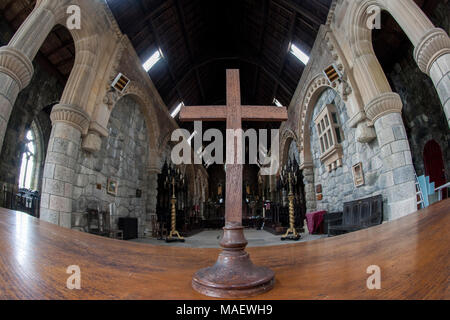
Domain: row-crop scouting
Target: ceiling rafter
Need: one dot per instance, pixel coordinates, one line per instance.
(302, 11)
(182, 17)
(286, 45)
(266, 8)
(158, 41)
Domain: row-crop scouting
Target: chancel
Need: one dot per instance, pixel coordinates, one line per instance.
(113, 116)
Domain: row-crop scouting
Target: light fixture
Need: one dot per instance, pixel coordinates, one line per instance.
(120, 83)
(303, 57)
(152, 60)
(277, 103)
(177, 110)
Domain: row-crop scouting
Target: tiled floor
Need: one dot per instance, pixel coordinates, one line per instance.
(211, 238)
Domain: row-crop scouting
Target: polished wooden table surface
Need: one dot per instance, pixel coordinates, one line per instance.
(412, 252)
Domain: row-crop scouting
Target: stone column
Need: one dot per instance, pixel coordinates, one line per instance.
(69, 122)
(433, 57)
(16, 68)
(310, 192)
(432, 45)
(397, 178)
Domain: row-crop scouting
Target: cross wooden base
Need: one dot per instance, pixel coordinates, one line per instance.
(234, 275)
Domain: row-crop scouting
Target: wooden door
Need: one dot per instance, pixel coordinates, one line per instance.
(434, 163)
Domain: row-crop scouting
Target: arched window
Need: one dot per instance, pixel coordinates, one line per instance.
(28, 166)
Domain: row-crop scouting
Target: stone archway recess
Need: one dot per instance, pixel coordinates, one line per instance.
(314, 89)
(432, 45)
(286, 139)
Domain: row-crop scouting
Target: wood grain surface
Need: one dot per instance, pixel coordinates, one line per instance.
(412, 252)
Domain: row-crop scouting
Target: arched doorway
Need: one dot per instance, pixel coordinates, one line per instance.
(434, 163)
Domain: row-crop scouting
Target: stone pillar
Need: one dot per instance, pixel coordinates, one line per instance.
(310, 192)
(69, 122)
(433, 57)
(16, 71)
(397, 178)
(16, 68)
(432, 45)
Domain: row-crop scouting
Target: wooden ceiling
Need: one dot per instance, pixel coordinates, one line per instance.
(200, 39)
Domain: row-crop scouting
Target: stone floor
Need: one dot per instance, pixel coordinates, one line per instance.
(211, 238)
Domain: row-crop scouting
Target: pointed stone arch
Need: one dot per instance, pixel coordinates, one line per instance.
(315, 87)
(286, 139)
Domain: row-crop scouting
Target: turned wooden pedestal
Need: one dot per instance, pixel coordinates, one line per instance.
(234, 275)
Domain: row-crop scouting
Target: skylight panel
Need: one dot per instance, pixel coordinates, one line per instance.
(299, 54)
(177, 110)
(277, 103)
(152, 60)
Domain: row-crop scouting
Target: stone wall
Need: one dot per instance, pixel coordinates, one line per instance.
(337, 185)
(123, 157)
(44, 90)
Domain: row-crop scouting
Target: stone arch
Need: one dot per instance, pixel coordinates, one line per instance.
(315, 87)
(286, 140)
(147, 109)
(153, 159)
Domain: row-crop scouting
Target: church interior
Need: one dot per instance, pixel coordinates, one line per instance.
(92, 93)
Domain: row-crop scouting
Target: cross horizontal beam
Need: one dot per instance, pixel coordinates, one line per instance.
(219, 113)
(203, 113)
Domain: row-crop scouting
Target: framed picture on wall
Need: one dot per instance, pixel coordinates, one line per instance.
(358, 175)
(111, 188)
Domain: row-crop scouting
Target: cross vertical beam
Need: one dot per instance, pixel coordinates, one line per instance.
(233, 199)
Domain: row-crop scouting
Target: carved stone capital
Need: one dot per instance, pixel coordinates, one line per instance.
(382, 105)
(307, 167)
(99, 129)
(71, 115)
(364, 133)
(433, 45)
(16, 65)
(92, 142)
(356, 119)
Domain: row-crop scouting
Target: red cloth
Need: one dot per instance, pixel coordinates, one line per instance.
(314, 221)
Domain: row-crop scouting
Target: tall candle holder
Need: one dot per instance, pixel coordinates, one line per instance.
(289, 176)
(174, 179)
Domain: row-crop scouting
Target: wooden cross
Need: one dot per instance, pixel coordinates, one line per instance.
(233, 113)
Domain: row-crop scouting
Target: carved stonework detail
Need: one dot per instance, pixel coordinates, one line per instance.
(16, 65)
(71, 115)
(111, 97)
(382, 105)
(365, 133)
(434, 44)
